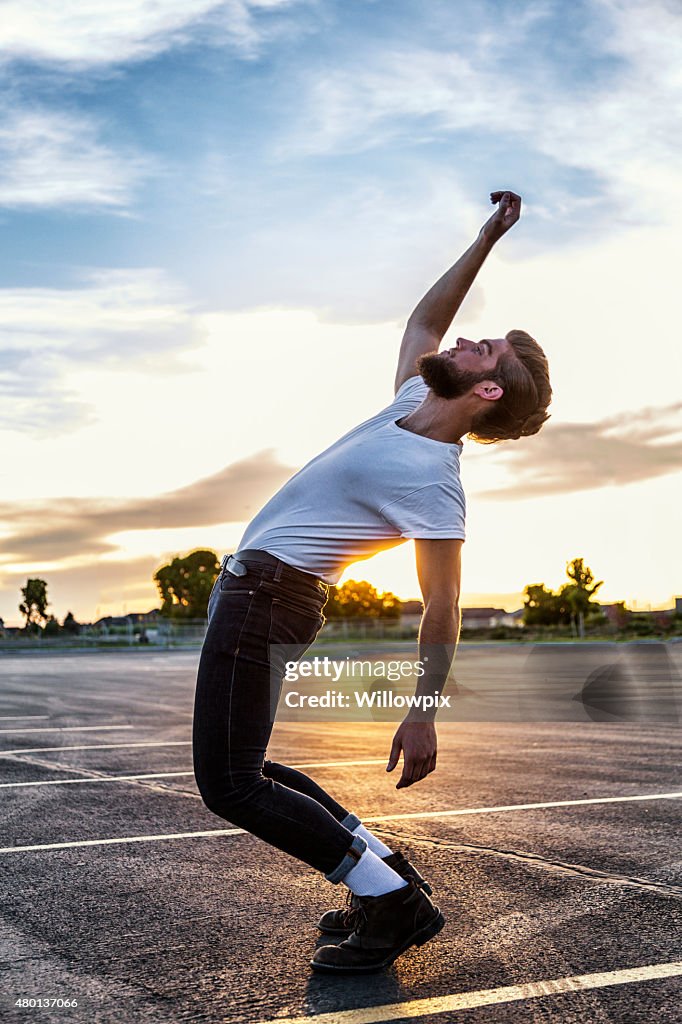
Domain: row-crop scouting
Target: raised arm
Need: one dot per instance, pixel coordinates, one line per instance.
(433, 315)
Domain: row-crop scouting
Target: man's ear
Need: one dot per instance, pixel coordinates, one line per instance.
(488, 390)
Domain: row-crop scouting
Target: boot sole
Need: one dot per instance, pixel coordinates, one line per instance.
(425, 887)
(418, 938)
(335, 931)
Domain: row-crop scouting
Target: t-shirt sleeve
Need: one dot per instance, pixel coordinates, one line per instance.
(433, 512)
(409, 395)
(413, 387)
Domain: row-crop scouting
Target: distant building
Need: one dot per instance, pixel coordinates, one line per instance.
(411, 613)
(489, 618)
(472, 618)
(11, 631)
(615, 613)
(134, 622)
(513, 619)
(618, 615)
(145, 618)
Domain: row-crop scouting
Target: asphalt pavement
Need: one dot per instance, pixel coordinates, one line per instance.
(553, 849)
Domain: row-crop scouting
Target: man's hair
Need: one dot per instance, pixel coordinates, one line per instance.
(522, 409)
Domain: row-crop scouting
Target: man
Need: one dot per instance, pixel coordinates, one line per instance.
(395, 476)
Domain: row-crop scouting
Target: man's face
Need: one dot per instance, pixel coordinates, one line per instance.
(453, 372)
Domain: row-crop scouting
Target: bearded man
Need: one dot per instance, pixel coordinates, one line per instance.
(392, 478)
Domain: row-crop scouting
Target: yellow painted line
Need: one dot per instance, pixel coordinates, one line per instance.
(460, 1001)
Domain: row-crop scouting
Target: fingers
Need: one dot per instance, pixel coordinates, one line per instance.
(405, 779)
(415, 771)
(496, 197)
(394, 755)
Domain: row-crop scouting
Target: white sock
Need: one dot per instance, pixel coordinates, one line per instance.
(375, 845)
(371, 877)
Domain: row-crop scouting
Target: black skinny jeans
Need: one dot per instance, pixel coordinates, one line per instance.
(271, 604)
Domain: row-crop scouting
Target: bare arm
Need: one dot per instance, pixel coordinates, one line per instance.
(439, 572)
(432, 316)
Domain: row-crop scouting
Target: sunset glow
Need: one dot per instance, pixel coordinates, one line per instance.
(216, 225)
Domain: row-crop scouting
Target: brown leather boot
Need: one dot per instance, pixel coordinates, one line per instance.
(342, 922)
(387, 926)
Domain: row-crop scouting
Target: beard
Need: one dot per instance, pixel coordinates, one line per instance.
(440, 373)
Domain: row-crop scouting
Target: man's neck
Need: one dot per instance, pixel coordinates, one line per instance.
(439, 419)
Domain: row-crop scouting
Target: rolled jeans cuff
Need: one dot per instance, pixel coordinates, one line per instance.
(353, 855)
(351, 822)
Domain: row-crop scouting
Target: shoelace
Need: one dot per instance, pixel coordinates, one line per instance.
(360, 919)
(353, 912)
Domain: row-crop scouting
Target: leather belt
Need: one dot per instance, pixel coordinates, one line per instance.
(234, 564)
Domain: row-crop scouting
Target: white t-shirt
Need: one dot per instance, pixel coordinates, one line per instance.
(374, 488)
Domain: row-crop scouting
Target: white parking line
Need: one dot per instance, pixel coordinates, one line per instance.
(96, 778)
(165, 775)
(527, 807)
(20, 718)
(124, 839)
(389, 817)
(100, 746)
(70, 728)
(459, 1001)
(338, 764)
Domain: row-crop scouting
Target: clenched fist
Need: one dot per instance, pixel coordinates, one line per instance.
(505, 216)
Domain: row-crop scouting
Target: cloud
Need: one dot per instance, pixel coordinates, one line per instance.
(66, 528)
(84, 34)
(119, 319)
(603, 108)
(622, 449)
(104, 586)
(54, 158)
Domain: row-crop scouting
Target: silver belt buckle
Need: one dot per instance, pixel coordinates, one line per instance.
(234, 566)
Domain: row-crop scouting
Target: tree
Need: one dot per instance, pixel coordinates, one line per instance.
(51, 627)
(35, 602)
(579, 592)
(185, 584)
(69, 625)
(572, 603)
(543, 607)
(358, 599)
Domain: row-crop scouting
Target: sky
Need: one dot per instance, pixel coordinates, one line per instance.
(217, 217)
